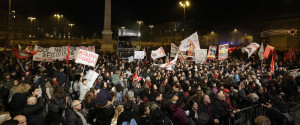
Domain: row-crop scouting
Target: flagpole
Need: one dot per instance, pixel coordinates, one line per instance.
(21, 65)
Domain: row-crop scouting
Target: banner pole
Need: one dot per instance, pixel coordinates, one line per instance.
(21, 65)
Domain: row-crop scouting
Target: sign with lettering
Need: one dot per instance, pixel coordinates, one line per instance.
(158, 53)
(86, 58)
(58, 53)
(223, 51)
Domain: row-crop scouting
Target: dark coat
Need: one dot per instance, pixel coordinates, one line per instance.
(222, 108)
(72, 118)
(61, 78)
(203, 108)
(18, 101)
(34, 114)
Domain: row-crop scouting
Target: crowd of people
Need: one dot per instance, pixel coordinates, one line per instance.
(141, 93)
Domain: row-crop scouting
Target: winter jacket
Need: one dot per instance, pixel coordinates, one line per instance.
(34, 114)
(178, 116)
(72, 118)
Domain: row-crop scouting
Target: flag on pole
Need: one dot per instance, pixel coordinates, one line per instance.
(169, 65)
(22, 54)
(272, 66)
(185, 44)
(261, 51)
(268, 51)
(251, 48)
(181, 57)
(68, 53)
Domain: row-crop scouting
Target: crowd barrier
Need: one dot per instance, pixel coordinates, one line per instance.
(247, 115)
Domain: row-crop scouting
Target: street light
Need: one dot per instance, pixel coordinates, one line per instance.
(184, 4)
(139, 22)
(151, 26)
(71, 25)
(58, 16)
(31, 19)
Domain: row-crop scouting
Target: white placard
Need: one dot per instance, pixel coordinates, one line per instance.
(139, 54)
(86, 58)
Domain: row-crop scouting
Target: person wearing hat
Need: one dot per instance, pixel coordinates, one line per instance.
(227, 93)
(73, 116)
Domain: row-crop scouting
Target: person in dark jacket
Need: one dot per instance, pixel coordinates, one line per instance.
(61, 76)
(128, 116)
(73, 116)
(222, 108)
(56, 107)
(205, 107)
(274, 112)
(33, 111)
(104, 108)
(18, 100)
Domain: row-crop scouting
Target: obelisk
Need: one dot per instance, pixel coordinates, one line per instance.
(107, 44)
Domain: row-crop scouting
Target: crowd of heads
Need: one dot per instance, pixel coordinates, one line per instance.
(141, 91)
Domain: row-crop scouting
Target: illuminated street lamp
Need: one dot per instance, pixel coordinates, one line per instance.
(71, 25)
(184, 4)
(139, 22)
(31, 19)
(151, 26)
(58, 16)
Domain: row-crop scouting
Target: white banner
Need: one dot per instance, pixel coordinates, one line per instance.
(91, 76)
(173, 51)
(200, 56)
(251, 48)
(158, 53)
(58, 53)
(86, 58)
(139, 54)
(185, 44)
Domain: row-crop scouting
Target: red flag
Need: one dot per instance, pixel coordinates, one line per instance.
(22, 54)
(67, 58)
(268, 51)
(272, 66)
(292, 53)
(231, 49)
(286, 56)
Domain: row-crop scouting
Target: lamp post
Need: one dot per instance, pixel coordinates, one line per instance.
(71, 25)
(31, 19)
(58, 16)
(151, 26)
(139, 23)
(184, 4)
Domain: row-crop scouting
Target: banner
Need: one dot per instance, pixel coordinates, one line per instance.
(251, 48)
(58, 53)
(180, 56)
(86, 58)
(223, 51)
(169, 65)
(261, 51)
(90, 76)
(200, 56)
(139, 54)
(173, 51)
(158, 53)
(212, 52)
(185, 44)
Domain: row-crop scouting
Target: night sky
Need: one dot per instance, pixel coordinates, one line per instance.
(88, 14)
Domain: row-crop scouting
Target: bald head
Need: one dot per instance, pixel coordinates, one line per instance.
(21, 119)
(221, 96)
(31, 100)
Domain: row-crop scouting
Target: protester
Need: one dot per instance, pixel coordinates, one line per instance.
(188, 92)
